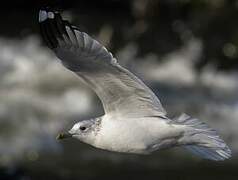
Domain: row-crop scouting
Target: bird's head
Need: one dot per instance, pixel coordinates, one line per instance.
(85, 131)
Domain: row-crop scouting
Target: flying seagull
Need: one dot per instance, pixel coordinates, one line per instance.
(134, 120)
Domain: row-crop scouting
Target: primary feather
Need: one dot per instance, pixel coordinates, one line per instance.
(118, 89)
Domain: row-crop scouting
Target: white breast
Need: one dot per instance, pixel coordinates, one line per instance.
(131, 135)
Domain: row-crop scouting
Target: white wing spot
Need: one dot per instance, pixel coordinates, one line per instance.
(51, 15)
(42, 16)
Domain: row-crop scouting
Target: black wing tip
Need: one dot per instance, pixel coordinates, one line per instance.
(47, 13)
(53, 27)
(46, 28)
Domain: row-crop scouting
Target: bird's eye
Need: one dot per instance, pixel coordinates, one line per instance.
(82, 128)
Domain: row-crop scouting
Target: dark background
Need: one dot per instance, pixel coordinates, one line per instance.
(215, 22)
(156, 28)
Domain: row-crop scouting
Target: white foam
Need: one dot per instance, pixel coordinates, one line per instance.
(21, 77)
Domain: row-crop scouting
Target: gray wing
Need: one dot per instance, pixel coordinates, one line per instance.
(120, 91)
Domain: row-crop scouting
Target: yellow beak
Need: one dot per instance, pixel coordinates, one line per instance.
(64, 136)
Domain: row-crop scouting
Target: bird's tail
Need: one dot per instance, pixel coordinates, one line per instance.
(202, 140)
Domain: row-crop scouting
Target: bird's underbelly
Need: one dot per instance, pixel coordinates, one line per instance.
(121, 144)
(131, 137)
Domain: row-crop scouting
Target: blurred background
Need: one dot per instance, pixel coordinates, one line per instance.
(186, 51)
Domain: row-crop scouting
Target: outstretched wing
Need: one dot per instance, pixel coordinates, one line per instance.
(120, 91)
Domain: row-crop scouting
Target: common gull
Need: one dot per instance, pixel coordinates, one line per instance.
(134, 119)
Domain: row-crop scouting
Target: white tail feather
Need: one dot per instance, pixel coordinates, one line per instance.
(202, 140)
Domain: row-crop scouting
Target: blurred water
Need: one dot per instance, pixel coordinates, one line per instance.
(39, 98)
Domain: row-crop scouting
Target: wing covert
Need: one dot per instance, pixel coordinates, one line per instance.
(120, 91)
